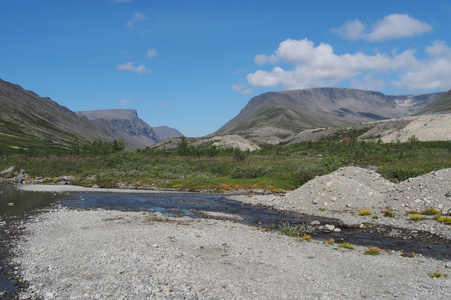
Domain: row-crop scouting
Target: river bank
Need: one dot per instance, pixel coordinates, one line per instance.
(99, 254)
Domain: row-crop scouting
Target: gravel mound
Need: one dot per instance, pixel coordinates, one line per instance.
(70, 254)
(343, 193)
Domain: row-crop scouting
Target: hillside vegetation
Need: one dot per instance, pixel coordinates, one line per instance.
(273, 168)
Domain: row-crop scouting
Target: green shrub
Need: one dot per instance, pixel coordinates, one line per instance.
(390, 213)
(445, 220)
(416, 217)
(365, 212)
(307, 172)
(372, 251)
(296, 231)
(431, 212)
(347, 246)
(249, 171)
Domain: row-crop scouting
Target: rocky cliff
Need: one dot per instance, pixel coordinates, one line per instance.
(125, 124)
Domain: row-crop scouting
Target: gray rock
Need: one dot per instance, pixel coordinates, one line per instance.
(315, 223)
(328, 228)
(448, 194)
(349, 222)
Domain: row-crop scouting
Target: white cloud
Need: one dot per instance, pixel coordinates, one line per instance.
(137, 18)
(353, 31)
(391, 27)
(152, 53)
(242, 89)
(433, 72)
(314, 66)
(129, 66)
(124, 102)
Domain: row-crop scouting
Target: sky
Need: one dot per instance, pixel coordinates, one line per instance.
(193, 65)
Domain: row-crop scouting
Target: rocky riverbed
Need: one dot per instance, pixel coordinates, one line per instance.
(99, 254)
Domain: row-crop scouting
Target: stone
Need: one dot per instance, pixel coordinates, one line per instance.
(336, 229)
(349, 222)
(6, 171)
(448, 194)
(315, 223)
(329, 228)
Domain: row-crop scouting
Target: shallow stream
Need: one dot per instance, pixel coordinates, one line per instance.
(16, 204)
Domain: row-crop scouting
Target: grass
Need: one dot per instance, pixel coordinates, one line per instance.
(274, 168)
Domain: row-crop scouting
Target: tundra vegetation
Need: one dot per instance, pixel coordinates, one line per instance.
(274, 168)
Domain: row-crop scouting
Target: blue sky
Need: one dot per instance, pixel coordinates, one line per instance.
(193, 65)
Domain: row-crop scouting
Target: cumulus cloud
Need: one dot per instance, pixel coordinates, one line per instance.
(129, 66)
(313, 66)
(394, 26)
(124, 102)
(433, 72)
(137, 18)
(152, 53)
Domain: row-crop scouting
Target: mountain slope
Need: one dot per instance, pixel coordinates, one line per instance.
(440, 105)
(287, 112)
(27, 119)
(125, 124)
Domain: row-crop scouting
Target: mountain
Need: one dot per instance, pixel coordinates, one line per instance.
(288, 112)
(165, 132)
(125, 124)
(30, 121)
(440, 105)
(27, 119)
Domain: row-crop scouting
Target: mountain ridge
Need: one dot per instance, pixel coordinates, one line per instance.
(288, 112)
(28, 120)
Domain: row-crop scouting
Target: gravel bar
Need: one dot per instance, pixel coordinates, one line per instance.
(99, 254)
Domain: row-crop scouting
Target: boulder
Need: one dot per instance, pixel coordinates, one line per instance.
(349, 222)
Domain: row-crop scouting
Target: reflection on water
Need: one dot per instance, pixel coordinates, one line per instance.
(194, 205)
(17, 202)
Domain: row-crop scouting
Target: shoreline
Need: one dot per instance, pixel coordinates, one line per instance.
(276, 202)
(75, 254)
(68, 253)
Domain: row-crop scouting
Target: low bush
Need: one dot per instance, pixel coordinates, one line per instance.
(445, 220)
(365, 212)
(408, 254)
(372, 251)
(249, 171)
(347, 246)
(431, 212)
(437, 274)
(389, 213)
(416, 217)
(296, 231)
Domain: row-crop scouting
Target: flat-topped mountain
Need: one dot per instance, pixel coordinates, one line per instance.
(125, 124)
(286, 112)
